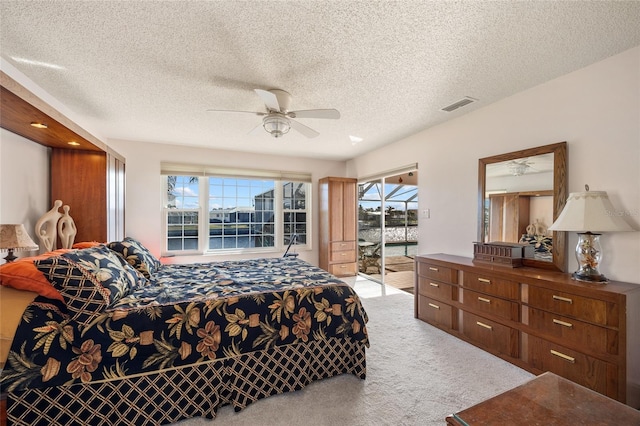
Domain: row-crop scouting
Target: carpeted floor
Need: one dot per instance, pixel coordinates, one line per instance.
(416, 375)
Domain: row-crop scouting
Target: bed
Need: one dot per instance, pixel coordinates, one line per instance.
(123, 339)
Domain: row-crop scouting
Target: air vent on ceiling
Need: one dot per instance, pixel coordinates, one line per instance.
(459, 104)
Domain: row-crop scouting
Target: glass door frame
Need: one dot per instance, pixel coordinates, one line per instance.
(383, 181)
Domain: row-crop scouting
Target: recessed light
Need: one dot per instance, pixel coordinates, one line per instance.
(74, 143)
(39, 125)
(354, 139)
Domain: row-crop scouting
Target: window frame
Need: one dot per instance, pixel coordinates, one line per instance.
(204, 209)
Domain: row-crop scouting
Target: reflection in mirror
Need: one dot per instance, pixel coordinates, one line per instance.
(520, 195)
(519, 203)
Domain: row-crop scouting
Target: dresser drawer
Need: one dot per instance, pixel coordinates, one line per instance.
(579, 307)
(435, 312)
(573, 332)
(342, 256)
(491, 285)
(490, 304)
(436, 272)
(490, 335)
(342, 245)
(573, 365)
(343, 269)
(436, 289)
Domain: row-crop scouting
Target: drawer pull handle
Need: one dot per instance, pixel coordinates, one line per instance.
(484, 299)
(487, 326)
(431, 268)
(484, 280)
(434, 285)
(571, 359)
(434, 306)
(562, 299)
(563, 323)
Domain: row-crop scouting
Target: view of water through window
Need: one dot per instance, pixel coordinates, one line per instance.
(241, 212)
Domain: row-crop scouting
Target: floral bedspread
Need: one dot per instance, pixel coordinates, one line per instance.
(188, 314)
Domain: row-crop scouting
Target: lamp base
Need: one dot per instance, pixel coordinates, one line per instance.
(10, 256)
(598, 279)
(588, 255)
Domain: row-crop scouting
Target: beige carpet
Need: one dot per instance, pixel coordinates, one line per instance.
(416, 375)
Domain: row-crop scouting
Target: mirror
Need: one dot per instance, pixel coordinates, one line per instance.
(520, 194)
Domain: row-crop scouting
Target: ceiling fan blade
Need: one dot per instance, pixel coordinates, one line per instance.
(315, 113)
(269, 99)
(307, 131)
(244, 112)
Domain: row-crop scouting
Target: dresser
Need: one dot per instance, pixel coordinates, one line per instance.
(538, 320)
(338, 225)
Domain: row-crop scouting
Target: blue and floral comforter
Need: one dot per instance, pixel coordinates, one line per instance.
(187, 314)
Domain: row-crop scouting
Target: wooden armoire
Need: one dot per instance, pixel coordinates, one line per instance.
(338, 225)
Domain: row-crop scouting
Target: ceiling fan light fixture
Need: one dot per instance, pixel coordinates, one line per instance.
(276, 125)
(517, 169)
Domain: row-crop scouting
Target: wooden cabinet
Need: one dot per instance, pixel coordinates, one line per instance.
(539, 320)
(91, 183)
(338, 226)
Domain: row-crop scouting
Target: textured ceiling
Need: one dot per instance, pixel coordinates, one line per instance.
(149, 70)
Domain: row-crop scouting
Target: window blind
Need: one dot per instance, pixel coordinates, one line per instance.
(207, 170)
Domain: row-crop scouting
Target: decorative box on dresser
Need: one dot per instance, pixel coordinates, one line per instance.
(538, 320)
(338, 226)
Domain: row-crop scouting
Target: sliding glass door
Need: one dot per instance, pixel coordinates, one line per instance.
(370, 229)
(388, 229)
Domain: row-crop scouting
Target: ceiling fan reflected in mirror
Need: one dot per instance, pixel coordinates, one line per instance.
(520, 167)
(278, 119)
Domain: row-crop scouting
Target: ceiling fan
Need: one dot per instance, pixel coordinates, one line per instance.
(519, 167)
(278, 120)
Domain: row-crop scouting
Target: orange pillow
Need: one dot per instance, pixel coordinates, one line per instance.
(86, 244)
(23, 275)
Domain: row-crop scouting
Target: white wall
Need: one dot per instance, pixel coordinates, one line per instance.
(24, 183)
(595, 109)
(143, 216)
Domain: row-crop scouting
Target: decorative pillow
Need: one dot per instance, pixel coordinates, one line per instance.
(136, 255)
(22, 274)
(86, 244)
(89, 280)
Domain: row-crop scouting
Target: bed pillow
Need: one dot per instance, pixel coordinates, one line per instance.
(97, 258)
(89, 280)
(136, 255)
(12, 305)
(86, 244)
(22, 274)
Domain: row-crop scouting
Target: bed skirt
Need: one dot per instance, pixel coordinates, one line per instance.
(198, 390)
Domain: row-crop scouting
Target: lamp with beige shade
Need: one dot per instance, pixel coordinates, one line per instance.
(589, 213)
(14, 237)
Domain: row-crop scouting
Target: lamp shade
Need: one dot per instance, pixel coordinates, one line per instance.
(589, 211)
(15, 237)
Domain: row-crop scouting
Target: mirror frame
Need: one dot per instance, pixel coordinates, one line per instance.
(560, 185)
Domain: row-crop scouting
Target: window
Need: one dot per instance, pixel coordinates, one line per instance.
(209, 214)
(183, 203)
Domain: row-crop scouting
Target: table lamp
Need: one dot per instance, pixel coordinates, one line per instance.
(14, 238)
(589, 213)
